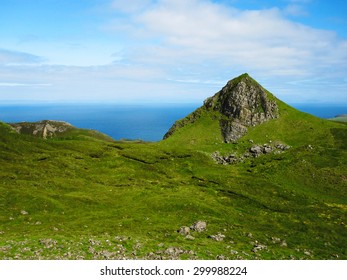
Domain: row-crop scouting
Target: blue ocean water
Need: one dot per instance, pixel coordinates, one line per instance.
(146, 122)
(325, 111)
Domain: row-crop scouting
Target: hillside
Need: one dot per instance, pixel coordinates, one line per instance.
(275, 189)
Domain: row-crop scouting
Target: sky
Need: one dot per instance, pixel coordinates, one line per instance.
(171, 51)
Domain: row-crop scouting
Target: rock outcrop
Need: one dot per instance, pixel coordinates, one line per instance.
(253, 152)
(241, 103)
(244, 103)
(45, 129)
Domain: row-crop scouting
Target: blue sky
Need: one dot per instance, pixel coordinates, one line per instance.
(182, 51)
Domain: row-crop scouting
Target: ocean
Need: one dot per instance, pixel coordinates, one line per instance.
(145, 122)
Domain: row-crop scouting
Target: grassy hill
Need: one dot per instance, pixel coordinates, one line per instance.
(82, 196)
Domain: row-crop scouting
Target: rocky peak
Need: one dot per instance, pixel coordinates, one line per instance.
(242, 103)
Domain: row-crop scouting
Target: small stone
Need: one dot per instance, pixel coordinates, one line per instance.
(190, 237)
(275, 240)
(218, 237)
(307, 253)
(23, 212)
(258, 247)
(184, 230)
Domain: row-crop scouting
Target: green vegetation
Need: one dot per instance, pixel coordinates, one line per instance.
(82, 195)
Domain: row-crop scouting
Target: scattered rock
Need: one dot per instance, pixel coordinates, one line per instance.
(258, 247)
(256, 150)
(23, 212)
(307, 253)
(190, 237)
(275, 240)
(199, 226)
(94, 242)
(184, 230)
(48, 242)
(173, 252)
(217, 237)
(267, 150)
(282, 147)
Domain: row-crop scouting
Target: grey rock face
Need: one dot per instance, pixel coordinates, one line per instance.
(240, 104)
(244, 103)
(44, 129)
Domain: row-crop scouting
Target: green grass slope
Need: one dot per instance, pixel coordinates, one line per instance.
(83, 197)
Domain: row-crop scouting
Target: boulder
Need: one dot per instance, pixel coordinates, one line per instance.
(184, 230)
(199, 226)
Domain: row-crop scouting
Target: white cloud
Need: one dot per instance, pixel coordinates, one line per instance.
(262, 41)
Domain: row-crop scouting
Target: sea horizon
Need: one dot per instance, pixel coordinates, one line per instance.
(146, 121)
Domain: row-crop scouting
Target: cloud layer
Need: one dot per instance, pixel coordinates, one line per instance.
(183, 50)
(258, 40)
